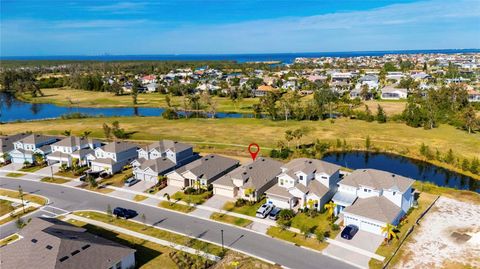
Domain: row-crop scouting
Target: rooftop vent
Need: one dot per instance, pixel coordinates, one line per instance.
(75, 252)
(263, 159)
(250, 167)
(34, 240)
(309, 161)
(244, 173)
(85, 247)
(48, 247)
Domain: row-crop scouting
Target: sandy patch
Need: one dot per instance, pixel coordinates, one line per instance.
(449, 232)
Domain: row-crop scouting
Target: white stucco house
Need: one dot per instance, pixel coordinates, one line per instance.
(370, 198)
(25, 148)
(391, 93)
(71, 147)
(304, 183)
(160, 158)
(249, 181)
(112, 157)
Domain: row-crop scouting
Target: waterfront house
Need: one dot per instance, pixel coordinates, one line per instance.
(249, 181)
(370, 198)
(304, 183)
(201, 172)
(26, 147)
(112, 157)
(160, 158)
(49, 243)
(70, 148)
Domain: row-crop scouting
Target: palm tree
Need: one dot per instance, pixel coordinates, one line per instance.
(249, 192)
(166, 195)
(86, 134)
(67, 132)
(330, 207)
(5, 157)
(311, 203)
(391, 232)
(39, 159)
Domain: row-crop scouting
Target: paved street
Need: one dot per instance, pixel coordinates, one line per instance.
(238, 239)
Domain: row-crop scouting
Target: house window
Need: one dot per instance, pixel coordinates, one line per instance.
(364, 190)
(301, 177)
(394, 193)
(281, 182)
(118, 265)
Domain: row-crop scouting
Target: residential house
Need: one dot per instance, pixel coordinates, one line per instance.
(71, 147)
(6, 145)
(25, 148)
(263, 90)
(391, 93)
(112, 157)
(151, 87)
(473, 95)
(370, 80)
(304, 183)
(204, 171)
(249, 181)
(160, 158)
(370, 198)
(394, 75)
(49, 243)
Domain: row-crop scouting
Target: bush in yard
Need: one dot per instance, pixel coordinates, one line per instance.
(240, 202)
(326, 234)
(127, 176)
(320, 236)
(189, 190)
(284, 224)
(286, 214)
(335, 227)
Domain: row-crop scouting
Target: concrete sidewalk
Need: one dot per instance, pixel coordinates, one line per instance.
(145, 237)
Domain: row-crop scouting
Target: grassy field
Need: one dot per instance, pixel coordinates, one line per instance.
(391, 107)
(296, 238)
(230, 219)
(192, 198)
(321, 223)
(175, 206)
(5, 207)
(55, 180)
(71, 97)
(29, 197)
(386, 250)
(247, 209)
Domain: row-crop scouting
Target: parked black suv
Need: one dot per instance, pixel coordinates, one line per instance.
(349, 232)
(121, 212)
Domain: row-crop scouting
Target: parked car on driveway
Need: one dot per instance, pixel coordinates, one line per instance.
(264, 210)
(121, 212)
(130, 182)
(349, 232)
(274, 213)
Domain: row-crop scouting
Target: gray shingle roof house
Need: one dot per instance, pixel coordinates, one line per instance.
(371, 198)
(50, 243)
(205, 170)
(306, 182)
(160, 158)
(26, 147)
(113, 156)
(257, 176)
(6, 144)
(72, 147)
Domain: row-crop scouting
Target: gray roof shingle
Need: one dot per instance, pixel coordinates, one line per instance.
(375, 208)
(377, 179)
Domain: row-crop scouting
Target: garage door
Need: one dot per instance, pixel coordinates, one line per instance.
(146, 177)
(370, 227)
(97, 168)
(176, 183)
(224, 192)
(18, 160)
(278, 203)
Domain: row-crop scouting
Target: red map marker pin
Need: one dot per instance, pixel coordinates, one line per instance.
(253, 153)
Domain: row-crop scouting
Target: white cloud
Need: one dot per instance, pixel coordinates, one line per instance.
(119, 6)
(97, 24)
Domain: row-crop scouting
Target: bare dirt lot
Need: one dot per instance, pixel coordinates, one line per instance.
(448, 237)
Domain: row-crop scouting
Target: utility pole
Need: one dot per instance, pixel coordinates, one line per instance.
(51, 171)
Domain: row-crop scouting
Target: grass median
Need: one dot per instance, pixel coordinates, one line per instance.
(230, 219)
(54, 180)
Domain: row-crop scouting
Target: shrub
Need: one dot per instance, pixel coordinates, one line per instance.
(335, 227)
(240, 202)
(286, 214)
(320, 236)
(189, 190)
(326, 234)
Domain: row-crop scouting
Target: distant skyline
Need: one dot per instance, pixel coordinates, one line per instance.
(54, 27)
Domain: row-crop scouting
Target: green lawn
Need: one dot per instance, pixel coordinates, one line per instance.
(66, 174)
(296, 238)
(5, 207)
(32, 168)
(8, 239)
(117, 180)
(230, 219)
(18, 214)
(192, 198)
(55, 180)
(175, 206)
(140, 228)
(139, 198)
(14, 175)
(321, 222)
(247, 209)
(386, 250)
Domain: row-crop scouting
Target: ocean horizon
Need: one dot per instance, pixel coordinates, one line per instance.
(241, 57)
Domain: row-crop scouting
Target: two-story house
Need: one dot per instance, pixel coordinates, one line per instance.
(370, 198)
(160, 158)
(25, 148)
(249, 181)
(304, 183)
(204, 171)
(71, 147)
(113, 156)
(6, 145)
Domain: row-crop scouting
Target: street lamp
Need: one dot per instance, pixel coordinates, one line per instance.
(222, 241)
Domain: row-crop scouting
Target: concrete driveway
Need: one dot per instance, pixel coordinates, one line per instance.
(140, 186)
(356, 251)
(11, 167)
(168, 189)
(216, 201)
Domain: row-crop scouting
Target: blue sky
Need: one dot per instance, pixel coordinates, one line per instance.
(62, 27)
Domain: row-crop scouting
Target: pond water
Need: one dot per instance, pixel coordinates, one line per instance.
(12, 109)
(403, 166)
